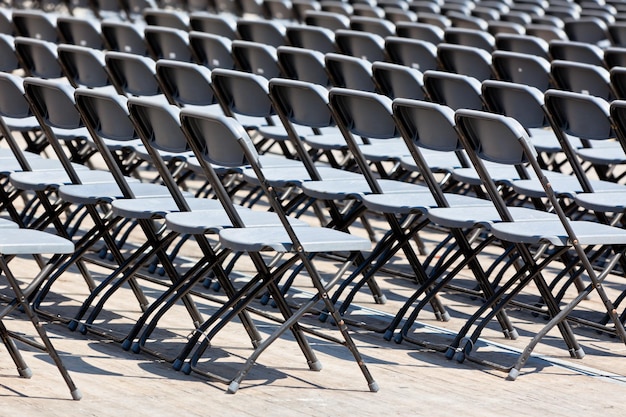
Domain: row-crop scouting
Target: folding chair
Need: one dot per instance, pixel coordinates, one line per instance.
(522, 68)
(81, 32)
(368, 10)
(435, 19)
(168, 43)
(582, 52)
(301, 242)
(413, 53)
(338, 7)
(359, 44)
(124, 37)
(212, 51)
(464, 20)
(312, 37)
(487, 136)
(355, 108)
(399, 15)
(456, 91)
(16, 242)
(420, 31)
(466, 60)
(102, 113)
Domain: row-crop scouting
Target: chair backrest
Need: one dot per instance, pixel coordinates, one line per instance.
(521, 102)
(587, 29)
(83, 66)
(524, 44)
(257, 58)
(614, 56)
(349, 72)
(415, 53)
(12, 101)
(454, 90)
(366, 115)
(185, 84)
(106, 117)
(466, 60)
(617, 33)
(546, 32)
(420, 31)
(166, 18)
(168, 43)
(618, 82)
(123, 37)
(497, 27)
(580, 115)
(470, 37)
(582, 78)
(329, 20)
(267, 32)
(8, 57)
(522, 68)
(81, 32)
(396, 81)
(375, 25)
(38, 58)
(211, 51)
(241, 93)
(216, 24)
(435, 19)
(312, 37)
(52, 103)
(576, 52)
(302, 64)
(132, 74)
(35, 24)
(359, 44)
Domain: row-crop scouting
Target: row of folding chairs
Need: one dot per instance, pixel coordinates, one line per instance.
(204, 346)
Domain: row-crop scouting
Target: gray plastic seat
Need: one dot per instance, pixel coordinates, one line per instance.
(124, 37)
(414, 53)
(80, 31)
(168, 43)
(211, 51)
(522, 68)
(465, 60)
(359, 44)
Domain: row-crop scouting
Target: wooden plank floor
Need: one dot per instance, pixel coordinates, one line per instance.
(413, 380)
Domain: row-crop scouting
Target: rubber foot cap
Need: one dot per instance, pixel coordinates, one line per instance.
(373, 386)
(77, 395)
(25, 373)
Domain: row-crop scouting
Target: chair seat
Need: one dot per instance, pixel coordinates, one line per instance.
(288, 175)
(7, 224)
(327, 141)
(404, 203)
(384, 150)
(43, 180)
(28, 241)
(546, 231)
(279, 133)
(602, 201)
(437, 161)
(608, 154)
(312, 239)
(149, 208)
(485, 216)
(108, 192)
(356, 188)
(563, 185)
(212, 221)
